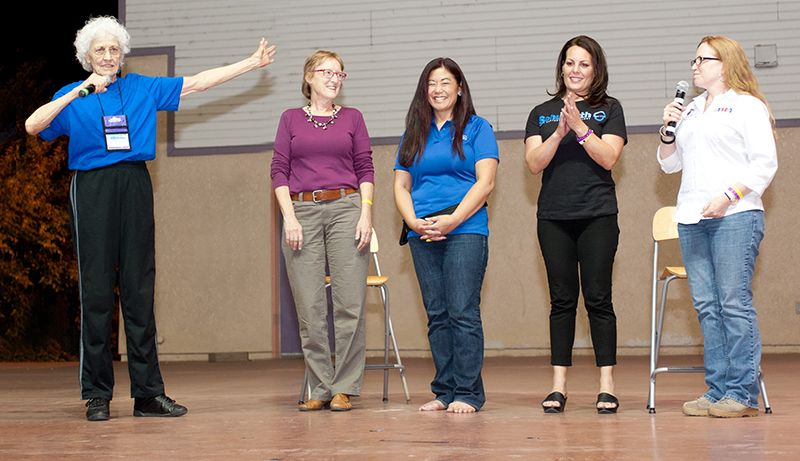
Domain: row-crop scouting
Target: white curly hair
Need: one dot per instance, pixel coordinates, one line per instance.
(97, 28)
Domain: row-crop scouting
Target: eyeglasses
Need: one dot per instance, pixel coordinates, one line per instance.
(328, 74)
(101, 51)
(700, 59)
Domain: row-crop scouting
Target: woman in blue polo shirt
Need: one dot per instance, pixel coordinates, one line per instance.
(112, 132)
(445, 170)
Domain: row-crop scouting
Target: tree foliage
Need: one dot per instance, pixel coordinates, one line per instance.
(39, 316)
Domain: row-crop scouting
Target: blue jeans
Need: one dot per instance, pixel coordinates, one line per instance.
(720, 256)
(450, 275)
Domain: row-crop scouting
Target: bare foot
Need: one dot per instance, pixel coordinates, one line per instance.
(433, 405)
(460, 407)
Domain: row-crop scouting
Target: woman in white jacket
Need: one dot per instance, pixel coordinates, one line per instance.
(724, 145)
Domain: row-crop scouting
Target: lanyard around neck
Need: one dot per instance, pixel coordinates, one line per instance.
(119, 87)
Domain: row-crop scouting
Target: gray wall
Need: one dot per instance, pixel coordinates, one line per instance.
(506, 48)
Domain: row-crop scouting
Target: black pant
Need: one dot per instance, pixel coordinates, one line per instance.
(587, 246)
(111, 215)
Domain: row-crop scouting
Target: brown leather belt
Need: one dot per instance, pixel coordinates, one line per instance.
(322, 195)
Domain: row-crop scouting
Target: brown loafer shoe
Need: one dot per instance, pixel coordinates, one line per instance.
(341, 402)
(314, 405)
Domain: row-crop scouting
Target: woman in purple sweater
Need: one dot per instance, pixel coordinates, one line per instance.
(323, 178)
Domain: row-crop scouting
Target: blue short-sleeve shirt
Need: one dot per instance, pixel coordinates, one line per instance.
(441, 179)
(139, 97)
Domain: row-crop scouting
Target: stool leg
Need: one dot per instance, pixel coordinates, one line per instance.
(396, 349)
(651, 396)
(303, 388)
(767, 407)
(386, 319)
(400, 365)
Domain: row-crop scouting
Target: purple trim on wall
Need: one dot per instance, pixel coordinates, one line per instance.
(787, 123)
(638, 129)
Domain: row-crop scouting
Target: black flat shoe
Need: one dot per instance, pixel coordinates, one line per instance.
(605, 397)
(555, 397)
(98, 409)
(160, 405)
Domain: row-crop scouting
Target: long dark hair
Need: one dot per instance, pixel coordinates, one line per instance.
(420, 114)
(597, 91)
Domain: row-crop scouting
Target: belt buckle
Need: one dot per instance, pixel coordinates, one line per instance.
(314, 195)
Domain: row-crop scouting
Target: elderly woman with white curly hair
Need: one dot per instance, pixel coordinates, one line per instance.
(111, 124)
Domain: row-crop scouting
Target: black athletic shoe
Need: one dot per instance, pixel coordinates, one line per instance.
(160, 405)
(98, 409)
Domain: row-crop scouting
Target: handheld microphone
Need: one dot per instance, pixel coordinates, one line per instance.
(680, 93)
(90, 88)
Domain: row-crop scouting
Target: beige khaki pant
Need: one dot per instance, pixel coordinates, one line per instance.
(329, 230)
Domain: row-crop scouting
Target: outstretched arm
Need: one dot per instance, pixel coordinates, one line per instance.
(213, 77)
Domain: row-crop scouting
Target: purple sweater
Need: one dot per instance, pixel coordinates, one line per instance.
(308, 158)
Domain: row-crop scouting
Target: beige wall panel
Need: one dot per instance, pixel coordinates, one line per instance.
(213, 287)
(213, 274)
(515, 302)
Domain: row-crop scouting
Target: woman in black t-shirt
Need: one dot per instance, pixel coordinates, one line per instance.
(575, 139)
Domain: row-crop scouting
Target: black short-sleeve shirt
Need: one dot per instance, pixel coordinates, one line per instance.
(573, 185)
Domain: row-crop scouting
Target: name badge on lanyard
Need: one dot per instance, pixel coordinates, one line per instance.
(115, 128)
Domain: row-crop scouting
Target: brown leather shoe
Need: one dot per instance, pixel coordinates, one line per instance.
(314, 405)
(341, 402)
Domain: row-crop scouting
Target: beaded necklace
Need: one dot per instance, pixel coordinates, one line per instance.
(317, 124)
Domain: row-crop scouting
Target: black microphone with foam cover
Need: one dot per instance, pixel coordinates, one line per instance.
(90, 88)
(680, 94)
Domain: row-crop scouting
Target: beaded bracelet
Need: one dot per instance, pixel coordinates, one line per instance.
(583, 138)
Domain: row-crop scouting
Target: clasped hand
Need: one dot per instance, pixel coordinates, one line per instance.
(570, 118)
(436, 228)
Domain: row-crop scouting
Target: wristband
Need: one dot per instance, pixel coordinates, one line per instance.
(733, 197)
(668, 136)
(367, 201)
(663, 134)
(583, 138)
(736, 191)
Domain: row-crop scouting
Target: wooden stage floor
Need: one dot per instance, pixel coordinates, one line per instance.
(248, 411)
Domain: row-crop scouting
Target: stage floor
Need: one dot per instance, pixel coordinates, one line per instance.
(248, 411)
